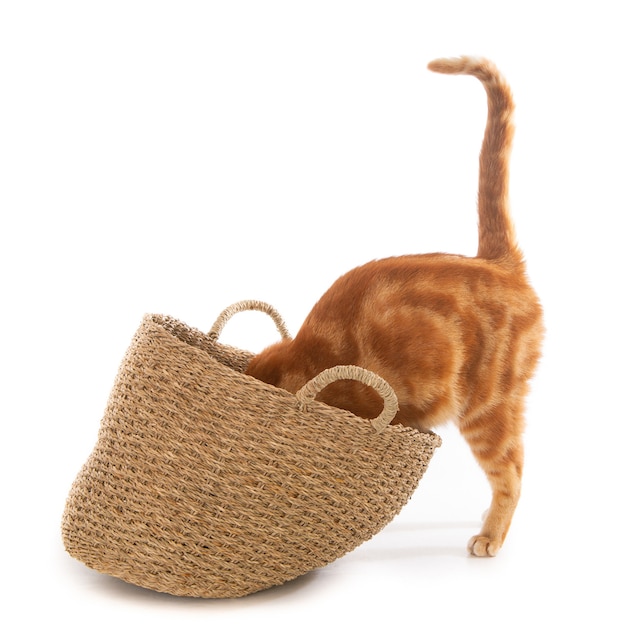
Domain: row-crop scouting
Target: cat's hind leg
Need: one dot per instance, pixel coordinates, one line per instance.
(496, 441)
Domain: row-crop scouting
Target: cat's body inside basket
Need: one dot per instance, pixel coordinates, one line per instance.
(457, 338)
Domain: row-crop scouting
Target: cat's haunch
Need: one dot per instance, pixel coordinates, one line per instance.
(458, 338)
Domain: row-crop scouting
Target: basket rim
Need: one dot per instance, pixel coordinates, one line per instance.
(209, 344)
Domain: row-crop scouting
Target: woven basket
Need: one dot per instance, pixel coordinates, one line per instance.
(206, 482)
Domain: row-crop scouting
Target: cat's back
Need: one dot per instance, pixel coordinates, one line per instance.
(432, 305)
(443, 283)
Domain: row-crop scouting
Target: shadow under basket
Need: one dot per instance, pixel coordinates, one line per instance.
(207, 482)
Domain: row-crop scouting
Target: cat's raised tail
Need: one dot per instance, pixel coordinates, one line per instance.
(496, 233)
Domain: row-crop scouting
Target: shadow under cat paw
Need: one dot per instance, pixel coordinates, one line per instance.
(407, 542)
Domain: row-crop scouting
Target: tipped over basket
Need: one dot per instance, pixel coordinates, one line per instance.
(206, 482)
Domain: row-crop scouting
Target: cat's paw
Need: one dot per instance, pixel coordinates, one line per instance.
(483, 546)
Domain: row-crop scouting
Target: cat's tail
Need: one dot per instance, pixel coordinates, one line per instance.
(496, 233)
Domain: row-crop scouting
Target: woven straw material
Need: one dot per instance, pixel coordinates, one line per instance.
(206, 482)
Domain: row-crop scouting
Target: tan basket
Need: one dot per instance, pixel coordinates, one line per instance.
(207, 482)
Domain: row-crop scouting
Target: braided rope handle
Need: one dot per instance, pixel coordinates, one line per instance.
(307, 393)
(248, 305)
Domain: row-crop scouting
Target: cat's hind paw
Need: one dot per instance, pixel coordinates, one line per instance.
(483, 546)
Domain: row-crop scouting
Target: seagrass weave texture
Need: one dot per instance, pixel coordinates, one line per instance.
(206, 482)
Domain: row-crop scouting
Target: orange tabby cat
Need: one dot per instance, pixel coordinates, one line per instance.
(457, 338)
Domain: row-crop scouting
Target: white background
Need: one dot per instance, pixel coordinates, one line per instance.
(176, 157)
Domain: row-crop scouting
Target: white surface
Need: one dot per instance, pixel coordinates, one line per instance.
(177, 157)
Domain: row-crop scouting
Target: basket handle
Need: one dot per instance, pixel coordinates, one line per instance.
(307, 393)
(248, 305)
